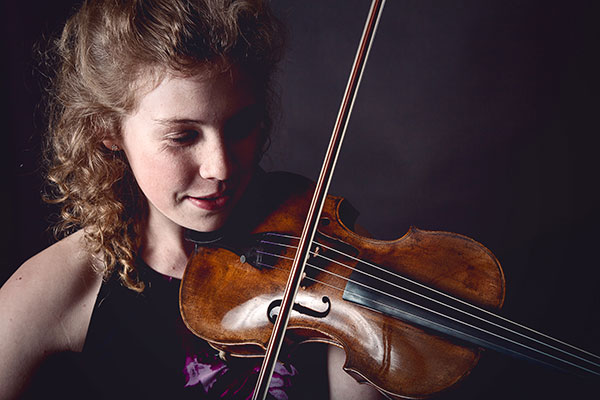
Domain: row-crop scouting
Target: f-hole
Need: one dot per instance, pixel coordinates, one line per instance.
(300, 308)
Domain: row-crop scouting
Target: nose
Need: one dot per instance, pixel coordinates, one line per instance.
(216, 162)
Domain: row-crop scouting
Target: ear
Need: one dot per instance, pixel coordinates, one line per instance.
(111, 144)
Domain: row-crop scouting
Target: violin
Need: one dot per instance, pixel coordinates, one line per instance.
(412, 314)
(349, 297)
(232, 289)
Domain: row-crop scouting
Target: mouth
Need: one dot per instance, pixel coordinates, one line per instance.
(212, 202)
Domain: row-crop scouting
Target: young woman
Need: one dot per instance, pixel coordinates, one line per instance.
(159, 115)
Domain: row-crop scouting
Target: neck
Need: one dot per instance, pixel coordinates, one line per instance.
(165, 250)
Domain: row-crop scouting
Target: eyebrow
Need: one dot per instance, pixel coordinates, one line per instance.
(176, 121)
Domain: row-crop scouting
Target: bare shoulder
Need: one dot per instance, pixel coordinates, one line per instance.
(45, 307)
(48, 289)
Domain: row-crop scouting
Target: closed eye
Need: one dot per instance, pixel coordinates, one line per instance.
(182, 138)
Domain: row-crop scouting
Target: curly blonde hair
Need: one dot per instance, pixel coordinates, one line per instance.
(104, 49)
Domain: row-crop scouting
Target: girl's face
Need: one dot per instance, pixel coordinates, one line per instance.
(193, 145)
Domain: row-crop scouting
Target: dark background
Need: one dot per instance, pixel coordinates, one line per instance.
(476, 117)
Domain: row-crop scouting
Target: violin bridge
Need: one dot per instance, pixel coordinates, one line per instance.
(303, 284)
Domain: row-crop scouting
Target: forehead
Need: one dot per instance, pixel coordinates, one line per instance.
(207, 93)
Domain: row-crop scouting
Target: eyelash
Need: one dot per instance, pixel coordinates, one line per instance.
(184, 137)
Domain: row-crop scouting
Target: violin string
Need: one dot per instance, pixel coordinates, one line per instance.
(366, 263)
(439, 302)
(429, 310)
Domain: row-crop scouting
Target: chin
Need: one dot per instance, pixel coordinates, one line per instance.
(208, 224)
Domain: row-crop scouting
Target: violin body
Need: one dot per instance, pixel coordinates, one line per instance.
(231, 289)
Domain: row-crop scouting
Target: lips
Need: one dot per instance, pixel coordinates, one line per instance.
(211, 202)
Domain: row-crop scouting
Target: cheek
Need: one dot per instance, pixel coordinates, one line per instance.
(160, 175)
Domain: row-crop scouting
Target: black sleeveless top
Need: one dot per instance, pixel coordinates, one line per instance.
(137, 346)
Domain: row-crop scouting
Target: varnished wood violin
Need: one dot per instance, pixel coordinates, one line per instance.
(412, 314)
